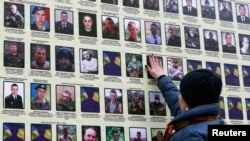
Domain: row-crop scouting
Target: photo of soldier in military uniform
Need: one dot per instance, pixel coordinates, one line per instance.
(65, 98)
(157, 104)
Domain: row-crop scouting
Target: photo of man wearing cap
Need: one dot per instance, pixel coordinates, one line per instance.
(40, 94)
(65, 59)
(157, 104)
(39, 18)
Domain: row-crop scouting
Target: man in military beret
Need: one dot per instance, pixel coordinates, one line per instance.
(65, 60)
(65, 103)
(40, 102)
(156, 107)
(14, 100)
(40, 19)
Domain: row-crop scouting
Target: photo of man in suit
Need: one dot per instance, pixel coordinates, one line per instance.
(14, 99)
(63, 25)
(189, 9)
(242, 14)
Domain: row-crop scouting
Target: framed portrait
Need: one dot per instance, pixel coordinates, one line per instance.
(157, 104)
(153, 33)
(66, 131)
(192, 37)
(231, 74)
(87, 24)
(64, 21)
(215, 67)
(13, 131)
(112, 63)
(65, 59)
(173, 35)
(193, 65)
(228, 42)
(159, 57)
(189, 7)
(14, 16)
(88, 61)
(235, 108)
(65, 98)
(151, 5)
(244, 44)
(157, 134)
(171, 6)
(208, 9)
(91, 133)
(211, 40)
(131, 3)
(40, 96)
(222, 107)
(247, 102)
(110, 27)
(90, 99)
(40, 56)
(246, 75)
(113, 101)
(242, 13)
(14, 54)
(136, 102)
(134, 66)
(41, 132)
(175, 68)
(14, 95)
(39, 18)
(138, 133)
(132, 30)
(115, 133)
(225, 10)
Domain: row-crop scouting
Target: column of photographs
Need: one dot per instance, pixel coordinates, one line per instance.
(64, 60)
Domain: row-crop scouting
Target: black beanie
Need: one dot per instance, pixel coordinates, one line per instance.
(200, 87)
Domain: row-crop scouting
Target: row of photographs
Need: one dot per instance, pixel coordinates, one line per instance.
(43, 132)
(40, 99)
(189, 8)
(16, 131)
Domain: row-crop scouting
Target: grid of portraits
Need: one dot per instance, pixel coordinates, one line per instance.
(82, 64)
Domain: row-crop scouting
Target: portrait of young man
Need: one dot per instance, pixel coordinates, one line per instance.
(175, 68)
(66, 132)
(88, 61)
(43, 132)
(151, 4)
(64, 22)
(132, 30)
(157, 104)
(137, 134)
(13, 15)
(113, 101)
(40, 56)
(39, 18)
(14, 54)
(112, 63)
(90, 99)
(208, 9)
(231, 72)
(173, 35)
(115, 133)
(157, 134)
(134, 65)
(211, 40)
(244, 44)
(131, 3)
(192, 37)
(65, 98)
(193, 65)
(91, 133)
(110, 27)
(13, 95)
(228, 42)
(242, 11)
(40, 96)
(65, 59)
(189, 7)
(12, 131)
(153, 33)
(136, 104)
(171, 6)
(225, 10)
(87, 24)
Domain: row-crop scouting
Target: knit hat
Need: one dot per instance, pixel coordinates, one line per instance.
(200, 87)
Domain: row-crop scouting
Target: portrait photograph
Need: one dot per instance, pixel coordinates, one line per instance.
(151, 5)
(228, 42)
(152, 33)
(244, 44)
(137, 133)
(91, 133)
(40, 95)
(112, 63)
(13, 132)
(231, 74)
(173, 35)
(39, 18)
(114, 133)
(211, 40)
(157, 134)
(225, 10)
(248, 108)
(131, 3)
(235, 108)
(242, 13)
(134, 65)
(132, 30)
(113, 101)
(66, 131)
(246, 75)
(88, 61)
(175, 68)
(90, 99)
(110, 1)
(41, 132)
(171, 6)
(110, 27)
(222, 107)
(64, 21)
(65, 59)
(214, 66)
(14, 15)
(193, 65)
(208, 9)
(14, 54)
(189, 7)
(14, 95)
(192, 37)
(148, 74)
(157, 104)
(136, 102)
(87, 24)
(65, 98)
(40, 56)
